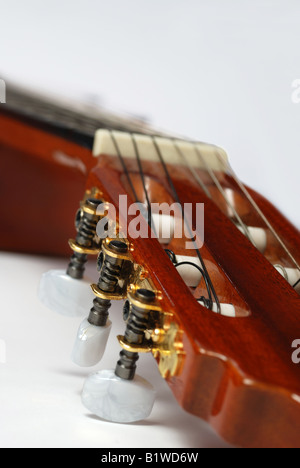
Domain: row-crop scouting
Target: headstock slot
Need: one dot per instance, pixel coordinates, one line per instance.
(242, 348)
(205, 165)
(160, 192)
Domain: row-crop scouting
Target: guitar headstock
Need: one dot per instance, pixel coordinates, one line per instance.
(209, 272)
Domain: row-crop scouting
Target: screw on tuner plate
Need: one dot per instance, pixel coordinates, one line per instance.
(139, 319)
(120, 395)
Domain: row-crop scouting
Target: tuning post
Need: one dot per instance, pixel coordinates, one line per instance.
(115, 267)
(142, 311)
(121, 395)
(85, 243)
(165, 342)
(60, 290)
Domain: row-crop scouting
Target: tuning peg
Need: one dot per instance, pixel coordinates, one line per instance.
(117, 400)
(90, 343)
(121, 395)
(94, 331)
(69, 293)
(65, 295)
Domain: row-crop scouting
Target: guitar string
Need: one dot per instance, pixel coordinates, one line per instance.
(137, 154)
(223, 193)
(116, 145)
(218, 185)
(262, 215)
(173, 259)
(96, 125)
(242, 187)
(242, 224)
(250, 199)
(259, 211)
(192, 170)
(209, 285)
(246, 193)
(119, 153)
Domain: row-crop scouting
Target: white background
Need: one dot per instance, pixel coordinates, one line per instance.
(40, 387)
(217, 70)
(220, 71)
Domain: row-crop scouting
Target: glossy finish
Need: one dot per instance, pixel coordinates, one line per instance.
(238, 372)
(65, 295)
(90, 343)
(42, 181)
(118, 400)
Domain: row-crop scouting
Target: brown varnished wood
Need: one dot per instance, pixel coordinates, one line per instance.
(39, 195)
(238, 372)
(284, 228)
(158, 192)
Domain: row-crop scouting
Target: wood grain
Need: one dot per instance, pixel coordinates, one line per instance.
(238, 373)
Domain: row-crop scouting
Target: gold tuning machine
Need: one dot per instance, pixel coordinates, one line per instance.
(149, 330)
(86, 242)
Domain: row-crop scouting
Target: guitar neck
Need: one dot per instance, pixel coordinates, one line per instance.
(49, 141)
(75, 122)
(45, 155)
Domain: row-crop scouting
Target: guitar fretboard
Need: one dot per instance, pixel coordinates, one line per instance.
(80, 123)
(75, 121)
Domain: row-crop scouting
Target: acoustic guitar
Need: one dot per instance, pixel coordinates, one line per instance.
(207, 268)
